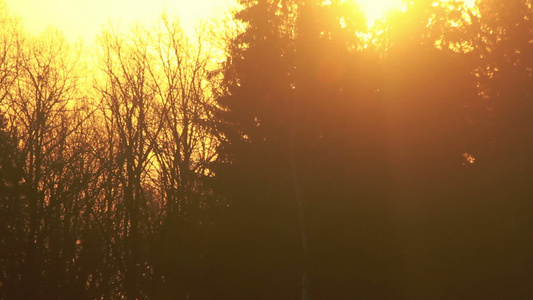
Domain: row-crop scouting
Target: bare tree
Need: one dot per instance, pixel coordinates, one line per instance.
(40, 108)
(185, 146)
(10, 43)
(129, 108)
(183, 72)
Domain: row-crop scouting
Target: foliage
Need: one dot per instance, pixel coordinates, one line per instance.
(288, 152)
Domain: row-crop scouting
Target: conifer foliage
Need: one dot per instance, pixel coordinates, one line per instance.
(289, 153)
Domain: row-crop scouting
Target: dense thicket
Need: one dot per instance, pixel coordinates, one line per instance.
(319, 159)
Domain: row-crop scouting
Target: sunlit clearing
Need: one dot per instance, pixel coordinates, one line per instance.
(375, 9)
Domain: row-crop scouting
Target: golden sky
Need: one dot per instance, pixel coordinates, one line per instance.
(85, 18)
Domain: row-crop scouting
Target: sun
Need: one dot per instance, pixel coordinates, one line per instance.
(375, 9)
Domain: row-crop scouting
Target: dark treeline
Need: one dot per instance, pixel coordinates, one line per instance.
(289, 153)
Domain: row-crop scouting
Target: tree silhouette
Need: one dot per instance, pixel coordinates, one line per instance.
(287, 152)
(43, 125)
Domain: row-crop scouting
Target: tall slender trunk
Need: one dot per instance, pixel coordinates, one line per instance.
(131, 227)
(298, 194)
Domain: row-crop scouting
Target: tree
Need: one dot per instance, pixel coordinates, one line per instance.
(185, 149)
(10, 226)
(254, 171)
(10, 44)
(129, 108)
(504, 74)
(292, 86)
(38, 106)
(356, 133)
(154, 150)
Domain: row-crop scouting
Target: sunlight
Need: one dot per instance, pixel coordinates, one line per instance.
(84, 19)
(375, 9)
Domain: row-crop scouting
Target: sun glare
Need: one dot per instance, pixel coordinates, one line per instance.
(375, 9)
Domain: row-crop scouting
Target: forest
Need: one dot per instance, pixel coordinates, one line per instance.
(290, 151)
